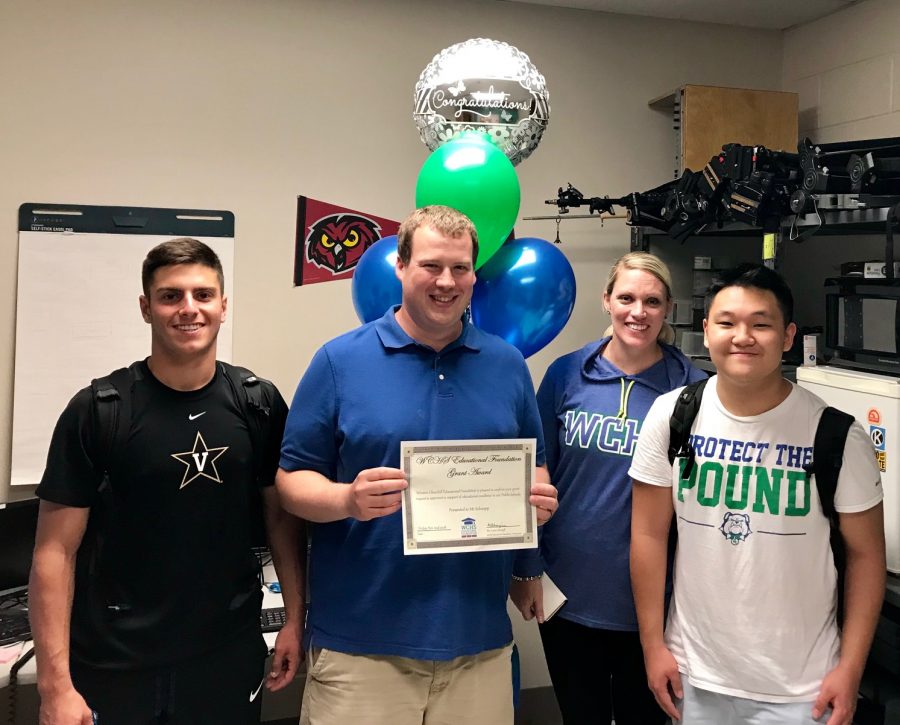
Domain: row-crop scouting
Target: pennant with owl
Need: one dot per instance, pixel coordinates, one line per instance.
(331, 239)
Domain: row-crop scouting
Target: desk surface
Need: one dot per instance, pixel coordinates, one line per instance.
(28, 674)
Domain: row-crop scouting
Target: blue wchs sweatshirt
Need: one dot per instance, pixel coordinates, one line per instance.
(592, 414)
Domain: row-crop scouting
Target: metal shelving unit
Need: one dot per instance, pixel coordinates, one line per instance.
(837, 219)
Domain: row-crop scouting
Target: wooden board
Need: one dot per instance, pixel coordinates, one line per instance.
(713, 116)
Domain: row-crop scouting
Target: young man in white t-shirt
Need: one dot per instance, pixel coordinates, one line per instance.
(752, 633)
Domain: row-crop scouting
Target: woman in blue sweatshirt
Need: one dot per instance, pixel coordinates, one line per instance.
(592, 403)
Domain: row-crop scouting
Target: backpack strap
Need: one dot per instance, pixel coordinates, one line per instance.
(828, 457)
(680, 423)
(111, 397)
(254, 396)
(111, 411)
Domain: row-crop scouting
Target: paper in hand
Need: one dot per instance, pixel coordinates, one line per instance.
(553, 597)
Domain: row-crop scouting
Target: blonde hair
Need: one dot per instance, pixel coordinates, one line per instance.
(652, 264)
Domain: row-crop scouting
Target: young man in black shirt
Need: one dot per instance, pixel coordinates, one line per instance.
(145, 594)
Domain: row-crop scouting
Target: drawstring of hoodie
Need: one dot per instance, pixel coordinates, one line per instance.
(624, 392)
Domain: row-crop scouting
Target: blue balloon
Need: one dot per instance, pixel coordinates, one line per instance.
(375, 285)
(525, 293)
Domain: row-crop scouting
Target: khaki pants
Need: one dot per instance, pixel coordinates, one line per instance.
(345, 689)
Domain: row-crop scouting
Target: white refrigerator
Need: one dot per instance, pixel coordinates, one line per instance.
(874, 400)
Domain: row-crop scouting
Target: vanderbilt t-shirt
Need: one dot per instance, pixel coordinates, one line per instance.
(165, 570)
(753, 610)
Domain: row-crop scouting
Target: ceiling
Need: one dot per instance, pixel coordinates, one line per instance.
(770, 14)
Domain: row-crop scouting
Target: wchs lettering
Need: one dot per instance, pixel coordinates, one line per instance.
(608, 433)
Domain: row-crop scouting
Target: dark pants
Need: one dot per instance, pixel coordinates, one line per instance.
(598, 675)
(215, 688)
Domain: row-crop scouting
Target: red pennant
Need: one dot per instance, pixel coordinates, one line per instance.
(331, 239)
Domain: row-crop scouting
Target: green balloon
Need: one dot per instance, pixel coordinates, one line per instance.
(475, 177)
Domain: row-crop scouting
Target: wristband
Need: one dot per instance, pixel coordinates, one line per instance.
(526, 578)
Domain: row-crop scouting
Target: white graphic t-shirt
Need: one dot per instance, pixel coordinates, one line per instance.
(753, 609)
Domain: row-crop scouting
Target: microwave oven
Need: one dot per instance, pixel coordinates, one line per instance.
(862, 323)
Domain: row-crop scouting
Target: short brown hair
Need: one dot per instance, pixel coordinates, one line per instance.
(444, 219)
(183, 250)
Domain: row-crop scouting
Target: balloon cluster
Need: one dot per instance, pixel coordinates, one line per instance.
(483, 85)
(473, 176)
(525, 294)
(525, 291)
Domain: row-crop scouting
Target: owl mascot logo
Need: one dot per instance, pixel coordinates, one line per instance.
(337, 241)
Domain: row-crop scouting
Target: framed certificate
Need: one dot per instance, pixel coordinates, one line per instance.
(468, 496)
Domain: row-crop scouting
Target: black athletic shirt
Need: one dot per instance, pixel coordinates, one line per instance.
(174, 576)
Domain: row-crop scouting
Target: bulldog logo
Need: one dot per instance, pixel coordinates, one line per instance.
(735, 527)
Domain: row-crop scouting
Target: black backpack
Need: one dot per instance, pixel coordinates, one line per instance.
(111, 396)
(112, 411)
(112, 415)
(828, 456)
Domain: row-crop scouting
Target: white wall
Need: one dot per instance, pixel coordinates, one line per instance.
(244, 104)
(846, 69)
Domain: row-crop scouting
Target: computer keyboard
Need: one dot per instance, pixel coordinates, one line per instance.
(14, 627)
(272, 619)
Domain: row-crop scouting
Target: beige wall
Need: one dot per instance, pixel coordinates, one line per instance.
(846, 69)
(244, 104)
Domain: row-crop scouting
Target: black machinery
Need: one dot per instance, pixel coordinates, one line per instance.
(761, 187)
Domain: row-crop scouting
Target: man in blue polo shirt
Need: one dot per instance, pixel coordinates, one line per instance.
(394, 639)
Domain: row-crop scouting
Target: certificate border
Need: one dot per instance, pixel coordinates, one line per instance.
(525, 540)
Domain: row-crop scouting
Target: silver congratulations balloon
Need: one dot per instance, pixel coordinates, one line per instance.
(483, 85)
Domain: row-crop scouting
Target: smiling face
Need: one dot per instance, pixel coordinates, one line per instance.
(184, 307)
(746, 335)
(638, 305)
(437, 286)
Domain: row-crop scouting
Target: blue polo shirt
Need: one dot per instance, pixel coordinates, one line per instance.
(363, 394)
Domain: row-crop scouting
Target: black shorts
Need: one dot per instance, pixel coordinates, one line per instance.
(222, 687)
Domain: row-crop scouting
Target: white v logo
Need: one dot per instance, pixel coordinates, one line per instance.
(200, 459)
(196, 459)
